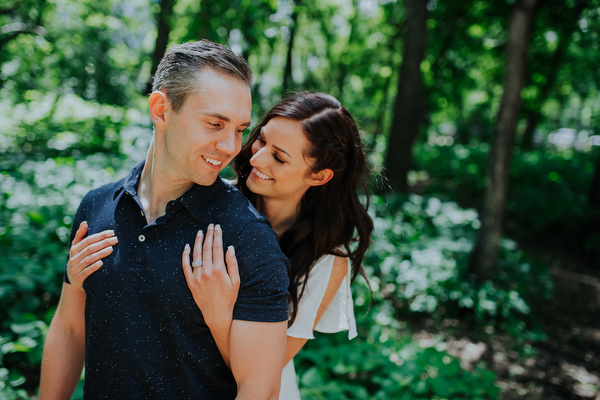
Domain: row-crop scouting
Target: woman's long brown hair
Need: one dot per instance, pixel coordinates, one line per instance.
(331, 215)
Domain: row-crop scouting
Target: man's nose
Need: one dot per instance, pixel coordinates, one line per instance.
(228, 143)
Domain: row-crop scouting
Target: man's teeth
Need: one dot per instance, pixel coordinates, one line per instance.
(261, 175)
(213, 162)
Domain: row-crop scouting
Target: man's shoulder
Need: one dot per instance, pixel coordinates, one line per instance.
(106, 191)
(230, 202)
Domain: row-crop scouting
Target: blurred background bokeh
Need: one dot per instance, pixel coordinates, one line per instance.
(482, 121)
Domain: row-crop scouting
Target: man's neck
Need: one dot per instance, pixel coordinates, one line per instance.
(157, 187)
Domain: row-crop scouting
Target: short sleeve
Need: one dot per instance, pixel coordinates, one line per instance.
(263, 294)
(338, 317)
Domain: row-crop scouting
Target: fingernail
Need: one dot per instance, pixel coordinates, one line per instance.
(211, 226)
(199, 233)
(111, 232)
(231, 250)
(218, 227)
(187, 247)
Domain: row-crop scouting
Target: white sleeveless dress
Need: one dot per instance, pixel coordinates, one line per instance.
(339, 316)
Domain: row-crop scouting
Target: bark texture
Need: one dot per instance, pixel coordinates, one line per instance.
(162, 38)
(408, 106)
(487, 245)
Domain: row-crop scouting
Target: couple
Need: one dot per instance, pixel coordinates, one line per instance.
(218, 329)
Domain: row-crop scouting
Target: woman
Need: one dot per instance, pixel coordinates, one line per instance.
(301, 167)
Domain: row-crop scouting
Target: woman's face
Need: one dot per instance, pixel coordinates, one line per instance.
(279, 170)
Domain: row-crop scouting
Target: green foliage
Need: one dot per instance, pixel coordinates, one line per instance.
(39, 195)
(419, 261)
(384, 362)
(548, 196)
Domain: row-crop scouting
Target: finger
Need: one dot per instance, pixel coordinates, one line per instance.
(92, 239)
(232, 267)
(185, 262)
(80, 234)
(79, 253)
(86, 262)
(198, 246)
(82, 276)
(207, 256)
(217, 248)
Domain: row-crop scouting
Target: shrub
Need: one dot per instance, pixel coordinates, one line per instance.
(419, 261)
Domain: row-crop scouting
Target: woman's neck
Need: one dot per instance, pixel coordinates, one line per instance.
(281, 213)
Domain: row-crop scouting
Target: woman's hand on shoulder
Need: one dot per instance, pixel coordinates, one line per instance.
(212, 277)
(86, 253)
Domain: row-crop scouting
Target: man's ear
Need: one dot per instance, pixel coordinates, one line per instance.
(158, 104)
(321, 177)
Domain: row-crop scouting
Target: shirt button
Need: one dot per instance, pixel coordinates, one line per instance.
(141, 238)
(142, 212)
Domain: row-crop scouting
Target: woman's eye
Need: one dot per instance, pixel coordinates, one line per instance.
(279, 160)
(260, 139)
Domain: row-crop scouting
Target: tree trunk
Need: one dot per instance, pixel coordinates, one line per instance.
(287, 72)
(408, 107)
(162, 37)
(487, 245)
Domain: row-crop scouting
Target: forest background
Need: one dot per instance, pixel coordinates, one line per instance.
(482, 123)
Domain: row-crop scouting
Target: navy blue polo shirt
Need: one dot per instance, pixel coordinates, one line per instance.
(145, 336)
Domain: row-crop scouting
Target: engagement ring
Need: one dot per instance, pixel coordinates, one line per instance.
(197, 263)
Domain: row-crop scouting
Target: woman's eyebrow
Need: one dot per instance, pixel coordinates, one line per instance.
(283, 151)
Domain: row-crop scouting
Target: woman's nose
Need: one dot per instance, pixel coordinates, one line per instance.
(258, 158)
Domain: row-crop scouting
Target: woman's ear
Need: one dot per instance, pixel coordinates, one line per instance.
(322, 177)
(158, 104)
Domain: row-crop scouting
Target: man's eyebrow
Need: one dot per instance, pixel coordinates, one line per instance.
(226, 119)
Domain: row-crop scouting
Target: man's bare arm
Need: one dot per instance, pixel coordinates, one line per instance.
(257, 351)
(64, 349)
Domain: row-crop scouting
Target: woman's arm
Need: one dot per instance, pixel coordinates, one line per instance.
(214, 285)
(338, 272)
(64, 348)
(215, 289)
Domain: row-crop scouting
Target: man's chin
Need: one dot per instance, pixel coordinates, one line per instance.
(206, 180)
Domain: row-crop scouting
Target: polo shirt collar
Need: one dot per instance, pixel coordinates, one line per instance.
(194, 200)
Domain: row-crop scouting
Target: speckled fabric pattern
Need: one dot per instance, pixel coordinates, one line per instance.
(145, 336)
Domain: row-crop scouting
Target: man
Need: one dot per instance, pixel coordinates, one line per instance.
(134, 319)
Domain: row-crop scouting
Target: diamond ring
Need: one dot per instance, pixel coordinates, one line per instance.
(196, 263)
